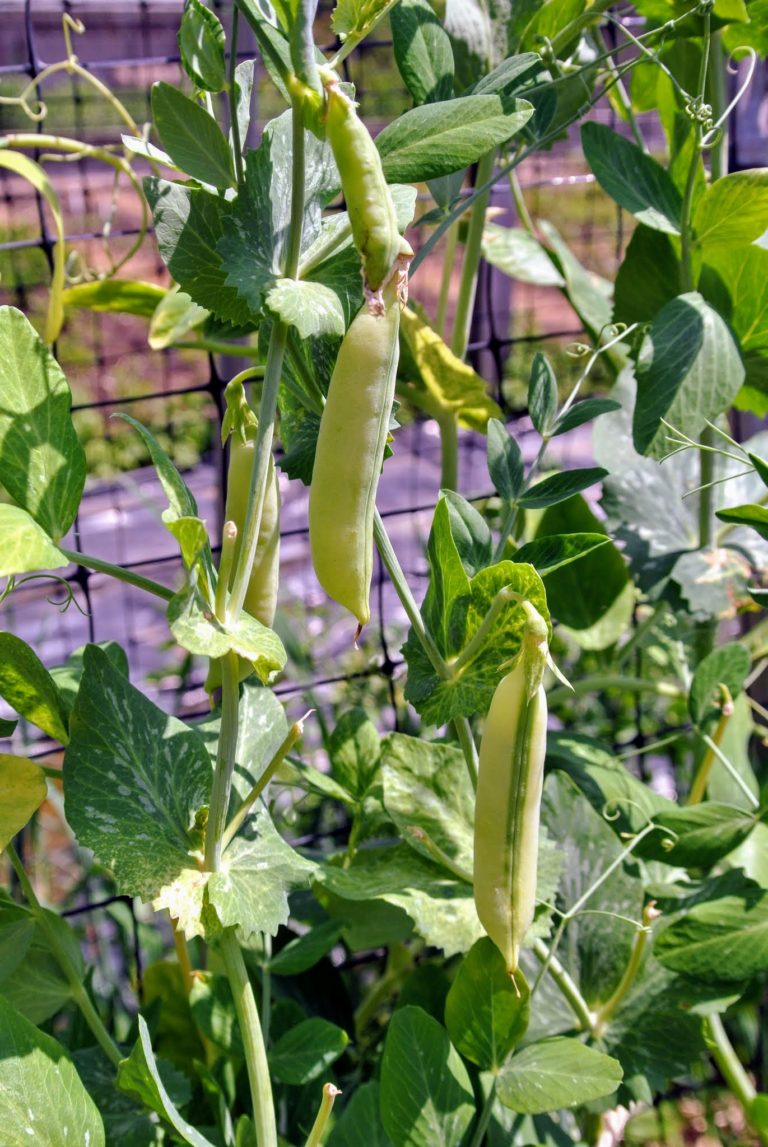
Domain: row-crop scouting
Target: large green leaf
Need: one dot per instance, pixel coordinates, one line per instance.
(702, 834)
(23, 788)
(31, 978)
(135, 780)
(28, 688)
(42, 464)
(648, 278)
(558, 487)
(122, 296)
(426, 1095)
(633, 178)
(733, 210)
(26, 547)
(201, 44)
(40, 1090)
(307, 1051)
(520, 255)
(360, 1120)
(588, 294)
(422, 51)
(436, 139)
(550, 553)
(727, 665)
(724, 939)
(191, 136)
(688, 371)
(556, 1073)
(486, 1013)
(196, 629)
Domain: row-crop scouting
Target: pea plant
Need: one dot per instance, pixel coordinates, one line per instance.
(546, 914)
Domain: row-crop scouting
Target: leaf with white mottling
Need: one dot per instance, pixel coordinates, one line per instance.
(24, 546)
(135, 780)
(312, 308)
(197, 629)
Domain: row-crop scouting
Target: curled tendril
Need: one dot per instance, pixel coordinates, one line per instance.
(547, 52)
(715, 132)
(638, 925)
(577, 350)
(15, 583)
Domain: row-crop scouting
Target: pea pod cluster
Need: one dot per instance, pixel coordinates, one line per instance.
(508, 803)
(350, 453)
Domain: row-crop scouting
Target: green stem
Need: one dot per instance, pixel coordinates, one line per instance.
(621, 91)
(730, 769)
(247, 804)
(219, 346)
(577, 25)
(731, 1068)
(599, 681)
(521, 206)
(302, 43)
(61, 956)
(610, 1007)
(465, 301)
(701, 777)
(468, 748)
(565, 984)
(98, 565)
(329, 1096)
(718, 156)
(485, 1116)
(448, 425)
(234, 127)
(225, 762)
(253, 1041)
(449, 259)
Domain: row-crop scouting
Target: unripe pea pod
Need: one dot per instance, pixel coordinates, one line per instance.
(350, 453)
(508, 801)
(370, 206)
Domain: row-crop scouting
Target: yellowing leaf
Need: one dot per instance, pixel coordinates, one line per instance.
(22, 791)
(444, 383)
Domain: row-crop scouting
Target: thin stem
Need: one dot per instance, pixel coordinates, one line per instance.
(226, 561)
(465, 301)
(182, 954)
(468, 747)
(640, 633)
(220, 346)
(699, 783)
(253, 1041)
(266, 988)
(599, 681)
(234, 126)
(520, 205)
(485, 1116)
(61, 956)
(731, 1068)
(449, 257)
(729, 768)
(225, 762)
(247, 804)
(621, 91)
(98, 565)
(610, 1007)
(448, 425)
(407, 600)
(501, 599)
(326, 1106)
(568, 988)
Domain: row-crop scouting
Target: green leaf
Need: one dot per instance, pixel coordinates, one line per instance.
(584, 412)
(354, 750)
(306, 1051)
(542, 394)
(305, 951)
(550, 553)
(518, 254)
(422, 50)
(361, 1120)
(470, 532)
(426, 1095)
(23, 788)
(31, 978)
(213, 1010)
(191, 136)
(28, 688)
(703, 834)
(120, 296)
(313, 308)
(556, 1073)
(189, 224)
(257, 872)
(426, 788)
(589, 295)
(558, 487)
(635, 180)
(754, 516)
(198, 630)
(262, 727)
(67, 677)
(201, 44)
(25, 546)
(356, 17)
(725, 939)
(40, 1090)
(174, 316)
(688, 371)
(138, 1076)
(732, 211)
(436, 139)
(648, 278)
(135, 780)
(486, 1013)
(42, 464)
(123, 1121)
(505, 461)
(460, 617)
(727, 665)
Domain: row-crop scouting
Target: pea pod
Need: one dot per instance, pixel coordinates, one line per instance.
(370, 206)
(349, 456)
(509, 785)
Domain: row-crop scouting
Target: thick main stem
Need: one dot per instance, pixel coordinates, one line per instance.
(253, 1041)
(731, 1067)
(225, 762)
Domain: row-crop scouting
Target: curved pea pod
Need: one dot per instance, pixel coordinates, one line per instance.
(261, 595)
(371, 209)
(508, 801)
(349, 456)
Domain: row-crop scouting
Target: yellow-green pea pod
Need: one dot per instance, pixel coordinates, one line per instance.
(261, 595)
(508, 801)
(349, 456)
(371, 209)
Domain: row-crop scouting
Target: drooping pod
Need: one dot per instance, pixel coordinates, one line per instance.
(508, 800)
(370, 206)
(349, 455)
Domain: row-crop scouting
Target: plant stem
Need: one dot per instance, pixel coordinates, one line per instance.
(472, 249)
(61, 956)
(448, 425)
(730, 1067)
(621, 91)
(568, 988)
(468, 747)
(234, 127)
(614, 681)
(98, 565)
(329, 1096)
(245, 807)
(449, 256)
(253, 1041)
(701, 777)
(225, 762)
(606, 1013)
(485, 1116)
